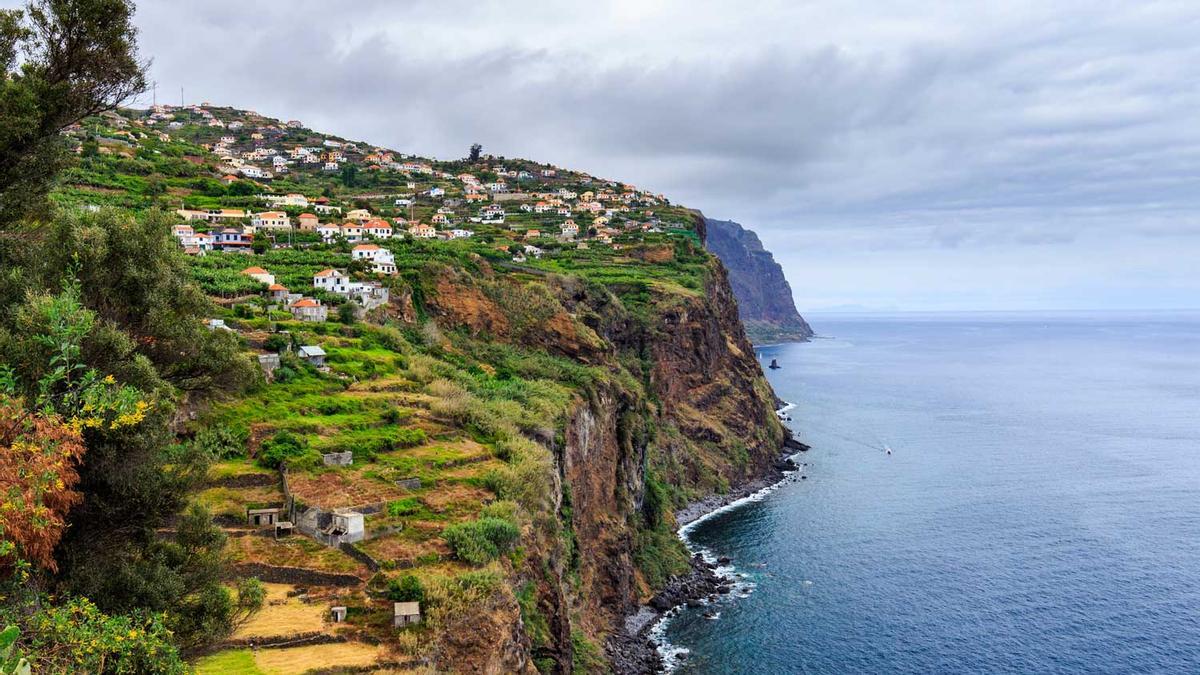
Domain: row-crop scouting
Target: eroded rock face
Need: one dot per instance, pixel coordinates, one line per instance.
(489, 641)
(764, 296)
(603, 465)
(693, 398)
(711, 385)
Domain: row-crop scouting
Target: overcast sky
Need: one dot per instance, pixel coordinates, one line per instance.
(913, 155)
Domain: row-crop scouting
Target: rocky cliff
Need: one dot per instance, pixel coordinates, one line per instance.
(764, 296)
(686, 413)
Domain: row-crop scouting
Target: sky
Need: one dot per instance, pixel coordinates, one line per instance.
(922, 155)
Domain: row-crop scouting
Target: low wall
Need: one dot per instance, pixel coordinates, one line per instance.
(299, 576)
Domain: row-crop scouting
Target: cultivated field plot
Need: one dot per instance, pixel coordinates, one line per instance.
(294, 551)
(282, 615)
(291, 661)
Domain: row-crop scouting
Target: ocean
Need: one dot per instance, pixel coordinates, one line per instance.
(1039, 512)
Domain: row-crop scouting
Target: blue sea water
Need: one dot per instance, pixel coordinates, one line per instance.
(1040, 512)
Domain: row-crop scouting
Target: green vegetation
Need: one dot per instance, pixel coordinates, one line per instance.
(586, 655)
(283, 448)
(229, 662)
(479, 542)
(407, 588)
(138, 426)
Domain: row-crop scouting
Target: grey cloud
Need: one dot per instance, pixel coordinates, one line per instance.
(951, 128)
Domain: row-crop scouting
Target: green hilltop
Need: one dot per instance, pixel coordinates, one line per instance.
(453, 396)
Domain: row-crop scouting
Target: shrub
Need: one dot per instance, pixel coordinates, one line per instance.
(280, 448)
(408, 438)
(478, 542)
(276, 343)
(404, 507)
(221, 442)
(503, 509)
(407, 588)
(585, 655)
(395, 415)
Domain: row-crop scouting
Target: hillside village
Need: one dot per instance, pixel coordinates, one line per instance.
(243, 183)
(316, 188)
(376, 432)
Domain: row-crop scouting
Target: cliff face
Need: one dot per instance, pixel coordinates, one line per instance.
(687, 412)
(764, 297)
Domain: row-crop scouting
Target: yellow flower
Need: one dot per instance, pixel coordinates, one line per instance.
(109, 379)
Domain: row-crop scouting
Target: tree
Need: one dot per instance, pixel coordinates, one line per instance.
(38, 454)
(60, 62)
(242, 188)
(350, 174)
(473, 157)
(347, 313)
(261, 243)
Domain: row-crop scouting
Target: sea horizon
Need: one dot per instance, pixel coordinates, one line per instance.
(1037, 514)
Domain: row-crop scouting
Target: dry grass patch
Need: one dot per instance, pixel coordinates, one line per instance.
(474, 469)
(293, 551)
(406, 548)
(233, 501)
(341, 489)
(453, 496)
(281, 615)
(297, 660)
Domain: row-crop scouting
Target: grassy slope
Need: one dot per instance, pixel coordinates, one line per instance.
(453, 409)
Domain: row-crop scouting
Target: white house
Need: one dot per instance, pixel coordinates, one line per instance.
(460, 234)
(260, 275)
(329, 231)
(271, 220)
(381, 259)
(368, 294)
(333, 281)
(290, 199)
(380, 229)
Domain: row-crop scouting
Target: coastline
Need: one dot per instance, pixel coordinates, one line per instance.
(640, 647)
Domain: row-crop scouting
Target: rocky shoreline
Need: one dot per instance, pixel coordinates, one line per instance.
(631, 651)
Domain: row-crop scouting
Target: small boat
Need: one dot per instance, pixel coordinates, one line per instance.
(774, 365)
(887, 449)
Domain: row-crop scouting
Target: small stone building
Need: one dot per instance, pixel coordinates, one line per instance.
(263, 517)
(268, 363)
(313, 354)
(406, 614)
(337, 614)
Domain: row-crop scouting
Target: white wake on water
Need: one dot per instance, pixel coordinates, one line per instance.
(672, 655)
